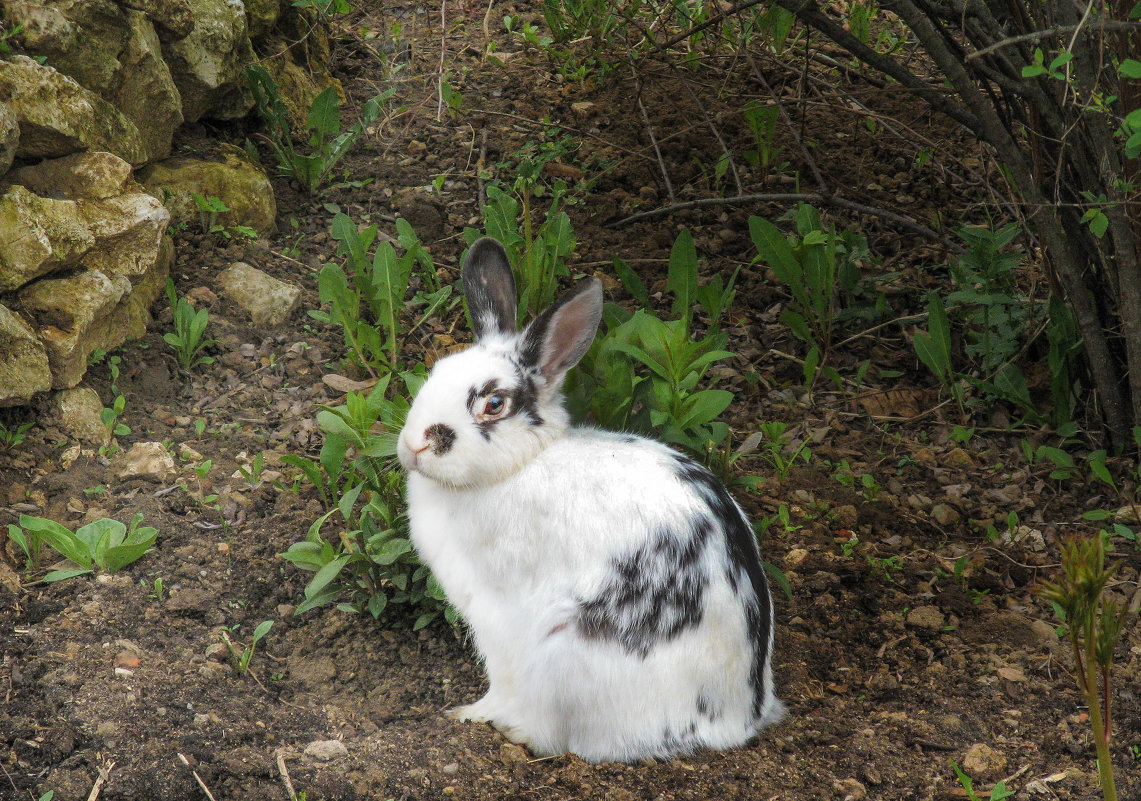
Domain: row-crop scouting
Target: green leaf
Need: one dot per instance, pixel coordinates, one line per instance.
(325, 116)
(59, 538)
(60, 575)
(325, 575)
(632, 283)
(1130, 68)
(682, 278)
(261, 630)
(392, 550)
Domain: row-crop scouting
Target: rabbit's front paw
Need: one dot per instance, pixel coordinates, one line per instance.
(482, 711)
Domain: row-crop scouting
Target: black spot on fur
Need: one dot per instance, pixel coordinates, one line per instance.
(654, 593)
(744, 557)
(685, 741)
(708, 709)
(440, 438)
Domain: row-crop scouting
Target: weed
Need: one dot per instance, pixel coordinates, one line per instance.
(371, 564)
(539, 256)
(997, 793)
(329, 143)
(12, 436)
(815, 265)
(253, 474)
(1094, 626)
(208, 210)
(111, 414)
(242, 658)
(366, 295)
(155, 589)
(645, 373)
(189, 329)
(105, 544)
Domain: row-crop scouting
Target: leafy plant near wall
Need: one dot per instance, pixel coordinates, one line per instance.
(105, 545)
(328, 142)
(188, 336)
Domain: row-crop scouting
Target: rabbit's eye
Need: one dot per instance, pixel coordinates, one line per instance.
(494, 406)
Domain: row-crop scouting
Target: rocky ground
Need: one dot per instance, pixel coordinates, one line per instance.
(892, 663)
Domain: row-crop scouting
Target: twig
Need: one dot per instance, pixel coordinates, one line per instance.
(654, 141)
(104, 774)
(197, 778)
(443, 50)
(481, 193)
(786, 197)
(285, 775)
(707, 24)
(1108, 25)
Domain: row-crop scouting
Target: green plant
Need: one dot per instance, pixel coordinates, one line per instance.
(253, 474)
(761, 118)
(817, 265)
(208, 210)
(366, 295)
(242, 658)
(370, 564)
(111, 414)
(774, 445)
(997, 793)
(1094, 626)
(538, 256)
(189, 329)
(328, 142)
(155, 589)
(647, 374)
(11, 436)
(105, 544)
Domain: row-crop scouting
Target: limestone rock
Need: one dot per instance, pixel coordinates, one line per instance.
(9, 137)
(57, 116)
(230, 176)
(78, 412)
(326, 750)
(110, 50)
(23, 361)
(172, 18)
(76, 315)
(38, 235)
(926, 617)
(148, 460)
(982, 762)
(269, 301)
(208, 65)
(261, 16)
(82, 176)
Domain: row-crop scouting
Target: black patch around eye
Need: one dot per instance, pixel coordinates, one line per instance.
(440, 438)
(744, 557)
(478, 392)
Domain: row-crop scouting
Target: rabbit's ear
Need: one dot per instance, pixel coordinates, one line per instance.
(560, 336)
(489, 286)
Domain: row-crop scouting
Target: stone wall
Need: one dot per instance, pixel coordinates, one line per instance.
(98, 88)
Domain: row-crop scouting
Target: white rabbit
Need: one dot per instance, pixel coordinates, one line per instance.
(612, 586)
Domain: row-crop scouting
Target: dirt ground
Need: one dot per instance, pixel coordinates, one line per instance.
(890, 665)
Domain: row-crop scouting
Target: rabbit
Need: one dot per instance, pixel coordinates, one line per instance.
(612, 587)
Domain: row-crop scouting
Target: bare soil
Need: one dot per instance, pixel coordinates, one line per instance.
(890, 666)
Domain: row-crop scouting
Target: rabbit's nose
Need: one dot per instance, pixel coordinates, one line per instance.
(440, 438)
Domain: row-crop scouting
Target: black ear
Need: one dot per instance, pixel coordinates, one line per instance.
(489, 286)
(560, 336)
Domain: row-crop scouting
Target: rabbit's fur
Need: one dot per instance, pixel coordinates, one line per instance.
(612, 586)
